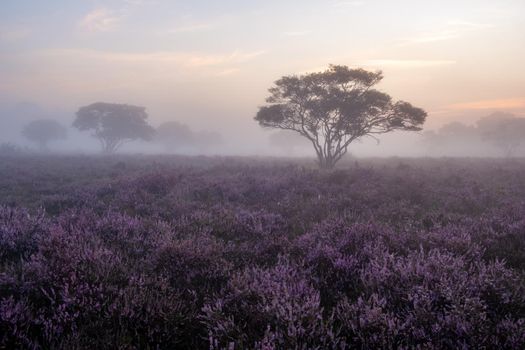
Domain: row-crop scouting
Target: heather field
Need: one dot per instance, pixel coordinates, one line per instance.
(166, 252)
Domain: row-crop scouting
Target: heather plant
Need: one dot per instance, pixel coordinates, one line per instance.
(19, 233)
(178, 253)
(268, 308)
(193, 263)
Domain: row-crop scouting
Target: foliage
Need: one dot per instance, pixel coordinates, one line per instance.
(177, 136)
(178, 253)
(334, 108)
(43, 131)
(504, 130)
(174, 135)
(114, 124)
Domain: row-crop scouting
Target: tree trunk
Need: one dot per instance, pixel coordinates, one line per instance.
(326, 163)
(109, 146)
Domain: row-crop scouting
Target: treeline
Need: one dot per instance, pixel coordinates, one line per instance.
(500, 133)
(328, 111)
(114, 125)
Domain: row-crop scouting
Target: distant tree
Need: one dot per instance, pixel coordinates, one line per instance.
(174, 135)
(450, 137)
(334, 108)
(43, 131)
(9, 149)
(114, 124)
(177, 136)
(504, 130)
(457, 130)
(287, 141)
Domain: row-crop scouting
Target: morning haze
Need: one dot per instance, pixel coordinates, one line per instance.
(208, 66)
(262, 175)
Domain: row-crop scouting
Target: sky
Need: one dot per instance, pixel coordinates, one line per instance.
(209, 64)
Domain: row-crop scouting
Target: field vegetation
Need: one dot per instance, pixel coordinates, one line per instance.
(170, 252)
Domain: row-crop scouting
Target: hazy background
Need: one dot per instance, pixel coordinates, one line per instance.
(208, 64)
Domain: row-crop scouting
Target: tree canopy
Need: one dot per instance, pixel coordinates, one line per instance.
(43, 131)
(454, 138)
(114, 124)
(504, 130)
(180, 137)
(334, 108)
(501, 131)
(174, 135)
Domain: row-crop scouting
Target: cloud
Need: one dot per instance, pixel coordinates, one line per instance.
(451, 30)
(210, 60)
(100, 20)
(508, 103)
(406, 63)
(186, 59)
(430, 37)
(382, 63)
(227, 72)
(465, 25)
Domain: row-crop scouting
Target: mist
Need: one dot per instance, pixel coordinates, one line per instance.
(248, 139)
(300, 174)
(210, 68)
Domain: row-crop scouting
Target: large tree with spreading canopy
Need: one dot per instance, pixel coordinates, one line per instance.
(334, 108)
(114, 124)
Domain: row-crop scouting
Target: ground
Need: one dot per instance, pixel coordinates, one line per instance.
(237, 253)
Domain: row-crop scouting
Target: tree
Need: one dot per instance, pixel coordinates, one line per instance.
(114, 124)
(9, 149)
(175, 135)
(503, 130)
(43, 131)
(457, 130)
(334, 108)
(453, 138)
